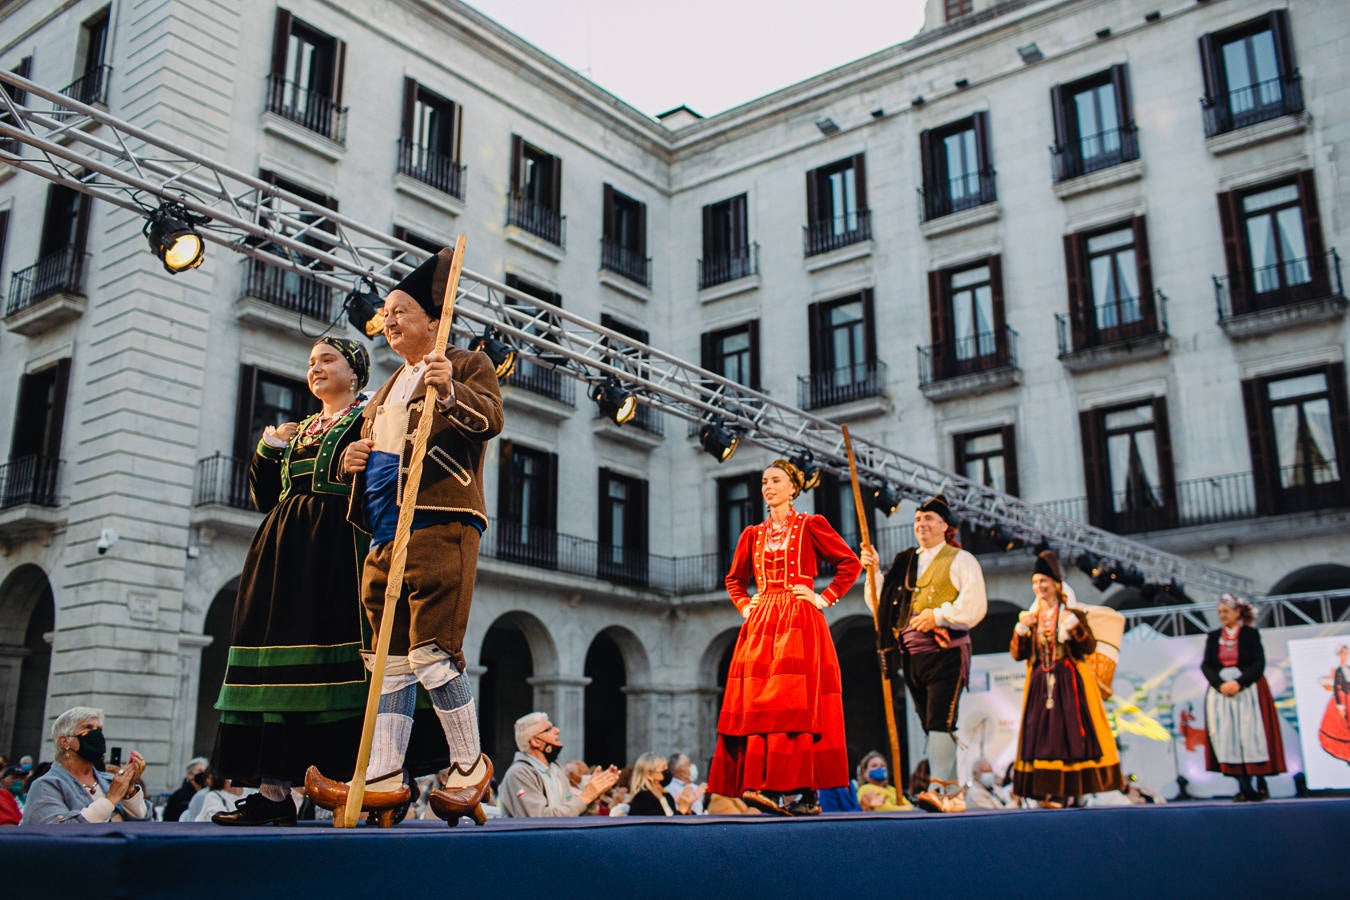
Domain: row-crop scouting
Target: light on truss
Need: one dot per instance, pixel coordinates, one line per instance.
(172, 234)
(502, 354)
(365, 309)
(888, 499)
(717, 440)
(615, 402)
(810, 470)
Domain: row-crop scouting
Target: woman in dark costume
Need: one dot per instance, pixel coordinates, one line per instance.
(295, 687)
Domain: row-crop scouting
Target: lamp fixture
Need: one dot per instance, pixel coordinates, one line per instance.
(1030, 53)
(717, 440)
(827, 126)
(1103, 34)
(365, 309)
(1005, 538)
(917, 101)
(962, 83)
(172, 234)
(887, 498)
(1104, 575)
(502, 354)
(809, 468)
(615, 402)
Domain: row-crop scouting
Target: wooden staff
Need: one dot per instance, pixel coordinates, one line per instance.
(394, 587)
(870, 585)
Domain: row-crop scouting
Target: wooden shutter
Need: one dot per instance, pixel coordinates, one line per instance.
(983, 147)
(706, 350)
(932, 186)
(1120, 80)
(517, 159)
(939, 319)
(243, 416)
(1162, 439)
(457, 133)
(549, 495)
(607, 214)
(339, 69)
(1061, 116)
(820, 360)
(1261, 443)
(4, 235)
(1094, 468)
(57, 418)
(869, 328)
(636, 520)
(1234, 249)
(605, 531)
(710, 248)
(555, 186)
(812, 197)
(1284, 43)
(860, 180)
(739, 224)
(1000, 319)
(641, 242)
(506, 481)
(1211, 68)
(1340, 423)
(1009, 434)
(281, 38)
(1148, 308)
(753, 326)
(409, 106)
(1080, 297)
(1312, 228)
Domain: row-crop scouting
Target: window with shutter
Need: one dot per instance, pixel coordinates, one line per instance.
(726, 243)
(1132, 486)
(1250, 74)
(1273, 246)
(623, 244)
(958, 170)
(622, 554)
(1299, 438)
(843, 359)
(836, 206)
(1094, 128)
(526, 506)
(535, 200)
(305, 84)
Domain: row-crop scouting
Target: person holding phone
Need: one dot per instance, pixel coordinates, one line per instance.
(76, 788)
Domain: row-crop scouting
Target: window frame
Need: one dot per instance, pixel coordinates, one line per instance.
(324, 90)
(1242, 296)
(822, 233)
(1098, 476)
(1217, 101)
(713, 358)
(250, 379)
(826, 387)
(944, 361)
(1271, 497)
(1083, 318)
(933, 160)
(727, 534)
(438, 165)
(539, 545)
(1070, 161)
(633, 543)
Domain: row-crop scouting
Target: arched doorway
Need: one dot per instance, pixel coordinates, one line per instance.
(515, 648)
(28, 614)
(606, 731)
(1315, 579)
(855, 642)
(712, 679)
(218, 626)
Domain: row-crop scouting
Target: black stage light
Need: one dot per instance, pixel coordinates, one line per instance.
(717, 440)
(615, 402)
(809, 469)
(502, 354)
(365, 308)
(172, 234)
(1086, 563)
(887, 498)
(1104, 575)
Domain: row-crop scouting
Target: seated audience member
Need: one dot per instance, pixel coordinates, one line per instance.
(535, 785)
(982, 792)
(647, 790)
(875, 793)
(76, 788)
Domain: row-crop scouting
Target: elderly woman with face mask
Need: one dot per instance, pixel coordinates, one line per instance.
(781, 731)
(77, 789)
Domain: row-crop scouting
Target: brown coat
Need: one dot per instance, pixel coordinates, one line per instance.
(452, 471)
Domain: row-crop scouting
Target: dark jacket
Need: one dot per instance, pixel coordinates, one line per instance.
(644, 803)
(893, 605)
(1251, 657)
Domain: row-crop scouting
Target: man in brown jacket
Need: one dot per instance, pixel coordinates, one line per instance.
(451, 514)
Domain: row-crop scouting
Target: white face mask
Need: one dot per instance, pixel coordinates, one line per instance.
(987, 779)
(693, 774)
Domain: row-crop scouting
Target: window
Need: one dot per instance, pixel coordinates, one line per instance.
(726, 243)
(61, 252)
(1127, 454)
(1298, 427)
(988, 458)
(4, 236)
(267, 399)
(833, 499)
(623, 528)
(429, 146)
(1111, 296)
(733, 353)
(91, 85)
(635, 362)
(290, 290)
(844, 363)
(1273, 246)
(1250, 75)
(35, 448)
(527, 506)
(836, 206)
(535, 202)
(305, 84)
(1093, 125)
(529, 375)
(957, 169)
(19, 96)
(738, 507)
(955, 9)
(421, 242)
(623, 247)
(968, 328)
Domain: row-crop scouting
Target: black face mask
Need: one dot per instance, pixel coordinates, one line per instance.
(93, 746)
(666, 779)
(551, 752)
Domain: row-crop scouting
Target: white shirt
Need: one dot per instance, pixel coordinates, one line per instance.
(677, 787)
(219, 800)
(971, 603)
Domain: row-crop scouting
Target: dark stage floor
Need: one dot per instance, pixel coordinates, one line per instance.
(1277, 849)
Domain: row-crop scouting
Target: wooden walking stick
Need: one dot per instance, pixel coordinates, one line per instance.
(393, 591)
(870, 585)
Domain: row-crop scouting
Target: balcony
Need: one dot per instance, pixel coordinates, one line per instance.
(1092, 153)
(48, 293)
(825, 235)
(734, 264)
(220, 496)
(437, 170)
(1253, 104)
(1277, 297)
(273, 297)
(1132, 329)
(1200, 501)
(969, 366)
(91, 88)
(536, 219)
(629, 262)
(542, 389)
(310, 109)
(960, 193)
(843, 385)
(29, 498)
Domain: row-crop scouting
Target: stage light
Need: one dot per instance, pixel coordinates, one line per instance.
(1104, 575)
(502, 354)
(827, 126)
(1086, 563)
(1130, 577)
(615, 402)
(365, 308)
(1005, 538)
(809, 469)
(887, 498)
(172, 235)
(717, 440)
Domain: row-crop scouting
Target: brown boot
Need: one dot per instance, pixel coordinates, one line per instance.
(463, 792)
(330, 794)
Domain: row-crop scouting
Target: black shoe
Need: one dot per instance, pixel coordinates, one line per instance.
(255, 809)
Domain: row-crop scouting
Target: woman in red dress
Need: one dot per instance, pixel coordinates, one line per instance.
(1334, 734)
(781, 731)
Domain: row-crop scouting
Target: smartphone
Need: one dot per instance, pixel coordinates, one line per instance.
(115, 758)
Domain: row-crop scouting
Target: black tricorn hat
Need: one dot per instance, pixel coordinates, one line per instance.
(937, 504)
(1047, 564)
(426, 283)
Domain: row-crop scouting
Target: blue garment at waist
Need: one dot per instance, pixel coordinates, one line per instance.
(382, 502)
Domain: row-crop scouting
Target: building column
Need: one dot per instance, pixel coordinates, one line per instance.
(11, 669)
(190, 648)
(563, 697)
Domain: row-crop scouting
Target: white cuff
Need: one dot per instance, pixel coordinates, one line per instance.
(101, 810)
(1023, 630)
(271, 440)
(135, 805)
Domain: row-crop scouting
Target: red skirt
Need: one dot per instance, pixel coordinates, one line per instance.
(782, 721)
(1334, 735)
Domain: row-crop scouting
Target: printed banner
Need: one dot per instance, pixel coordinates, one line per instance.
(1321, 672)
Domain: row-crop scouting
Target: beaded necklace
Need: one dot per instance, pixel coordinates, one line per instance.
(319, 424)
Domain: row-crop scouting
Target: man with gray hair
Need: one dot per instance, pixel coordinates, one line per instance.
(194, 782)
(535, 785)
(980, 794)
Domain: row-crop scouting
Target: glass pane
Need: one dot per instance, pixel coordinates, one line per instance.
(1099, 243)
(1317, 447)
(962, 163)
(984, 443)
(984, 319)
(1103, 291)
(1237, 68)
(1273, 197)
(1128, 418)
(967, 277)
(843, 201)
(1303, 385)
(1261, 243)
(963, 321)
(1293, 247)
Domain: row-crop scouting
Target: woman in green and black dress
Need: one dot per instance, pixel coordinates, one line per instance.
(295, 687)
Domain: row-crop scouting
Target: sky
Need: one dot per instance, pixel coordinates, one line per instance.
(709, 55)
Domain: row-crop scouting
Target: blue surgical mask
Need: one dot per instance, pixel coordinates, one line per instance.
(877, 773)
(987, 779)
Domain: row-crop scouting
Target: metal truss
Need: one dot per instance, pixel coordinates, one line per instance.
(1331, 608)
(86, 148)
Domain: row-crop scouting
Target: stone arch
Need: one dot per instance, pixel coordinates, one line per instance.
(855, 642)
(517, 647)
(27, 621)
(615, 660)
(218, 626)
(1318, 577)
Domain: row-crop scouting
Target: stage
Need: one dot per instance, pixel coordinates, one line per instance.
(1280, 848)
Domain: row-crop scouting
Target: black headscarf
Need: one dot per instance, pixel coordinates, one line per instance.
(356, 357)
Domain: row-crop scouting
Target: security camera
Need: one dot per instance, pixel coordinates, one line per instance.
(106, 538)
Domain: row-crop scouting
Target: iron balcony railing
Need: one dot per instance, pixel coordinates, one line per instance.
(544, 381)
(720, 268)
(962, 192)
(221, 481)
(536, 218)
(1278, 285)
(288, 290)
(1253, 103)
(30, 480)
(824, 235)
(92, 87)
(1200, 501)
(309, 108)
(1128, 319)
(982, 352)
(1094, 152)
(61, 272)
(442, 172)
(629, 262)
(841, 385)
